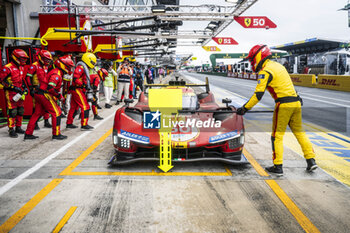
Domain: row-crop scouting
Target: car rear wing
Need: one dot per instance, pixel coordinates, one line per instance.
(181, 83)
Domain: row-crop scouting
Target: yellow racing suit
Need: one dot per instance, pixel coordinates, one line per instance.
(275, 78)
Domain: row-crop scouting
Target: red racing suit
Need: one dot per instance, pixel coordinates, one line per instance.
(11, 76)
(35, 71)
(78, 98)
(46, 99)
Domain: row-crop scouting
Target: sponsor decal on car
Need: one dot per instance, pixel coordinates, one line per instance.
(223, 137)
(133, 136)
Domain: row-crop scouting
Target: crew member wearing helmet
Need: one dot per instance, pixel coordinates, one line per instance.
(124, 75)
(12, 77)
(48, 94)
(95, 80)
(80, 84)
(275, 78)
(39, 68)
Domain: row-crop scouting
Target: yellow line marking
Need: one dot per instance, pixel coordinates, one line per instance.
(228, 171)
(78, 160)
(65, 219)
(304, 222)
(26, 208)
(153, 173)
(261, 171)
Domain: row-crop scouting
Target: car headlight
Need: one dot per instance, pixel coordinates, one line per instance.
(124, 143)
(236, 142)
(115, 137)
(241, 138)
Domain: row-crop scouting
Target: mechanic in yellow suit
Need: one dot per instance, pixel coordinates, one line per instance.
(275, 78)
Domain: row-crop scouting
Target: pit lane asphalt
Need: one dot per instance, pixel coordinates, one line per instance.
(77, 192)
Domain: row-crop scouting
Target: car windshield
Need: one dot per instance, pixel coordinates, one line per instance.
(189, 102)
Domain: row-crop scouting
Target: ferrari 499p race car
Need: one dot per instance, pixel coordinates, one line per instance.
(200, 129)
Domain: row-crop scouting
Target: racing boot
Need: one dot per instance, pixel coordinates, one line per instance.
(97, 117)
(71, 126)
(98, 107)
(275, 169)
(311, 165)
(30, 137)
(19, 130)
(87, 127)
(13, 133)
(47, 124)
(118, 102)
(76, 112)
(59, 137)
(108, 106)
(36, 126)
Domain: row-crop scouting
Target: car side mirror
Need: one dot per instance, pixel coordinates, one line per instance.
(226, 101)
(128, 101)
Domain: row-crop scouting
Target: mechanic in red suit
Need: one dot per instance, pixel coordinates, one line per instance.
(48, 94)
(95, 80)
(81, 84)
(12, 77)
(36, 70)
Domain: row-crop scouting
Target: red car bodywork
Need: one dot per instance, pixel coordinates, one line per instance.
(195, 144)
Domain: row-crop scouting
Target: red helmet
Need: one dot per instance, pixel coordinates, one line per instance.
(20, 57)
(45, 57)
(103, 73)
(65, 63)
(257, 56)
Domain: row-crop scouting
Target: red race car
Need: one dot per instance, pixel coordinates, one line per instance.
(201, 130)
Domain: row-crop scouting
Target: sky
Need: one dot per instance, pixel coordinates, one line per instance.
(296, 20)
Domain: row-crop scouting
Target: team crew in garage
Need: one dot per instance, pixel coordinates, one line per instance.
(47, 96)
(81, 85)
(12, 78)
(275, 78)
(124, 75)
(38, 70)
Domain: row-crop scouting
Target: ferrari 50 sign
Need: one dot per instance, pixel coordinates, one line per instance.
(255, 22)
(224, 40)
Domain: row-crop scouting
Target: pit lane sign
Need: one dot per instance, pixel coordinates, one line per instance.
(225, 41)
(255, 22)
(211, 48)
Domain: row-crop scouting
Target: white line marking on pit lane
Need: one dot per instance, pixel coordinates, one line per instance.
(43, 162)
(323, 101)
(324, 97)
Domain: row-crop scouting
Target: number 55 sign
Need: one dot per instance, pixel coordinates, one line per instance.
(255, 22)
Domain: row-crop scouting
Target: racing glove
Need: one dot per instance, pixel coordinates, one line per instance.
(242, 110)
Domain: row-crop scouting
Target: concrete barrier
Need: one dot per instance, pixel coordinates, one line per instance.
(333, 82)
(304, 80)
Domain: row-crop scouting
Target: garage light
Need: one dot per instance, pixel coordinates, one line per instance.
(231, 1)
(213, 24)
(165, 33)
(158, 9)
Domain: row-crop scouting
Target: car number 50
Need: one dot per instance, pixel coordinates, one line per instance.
(258, 22)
